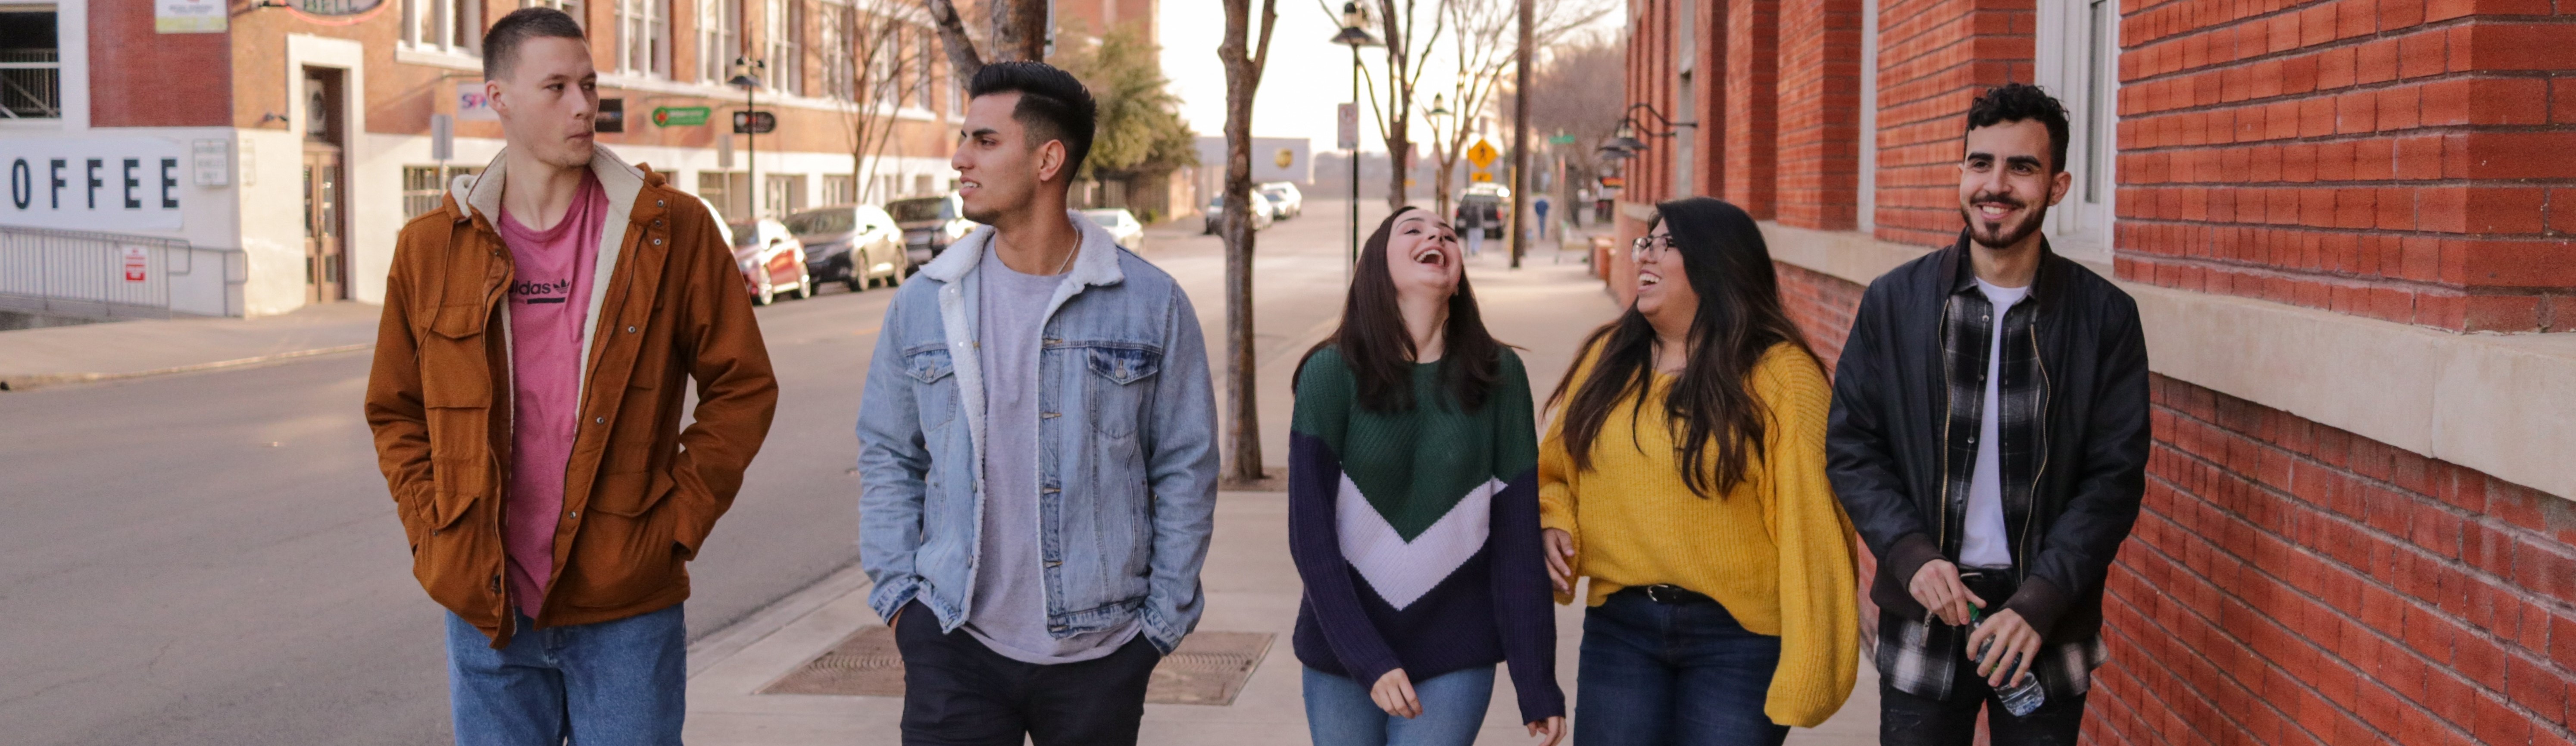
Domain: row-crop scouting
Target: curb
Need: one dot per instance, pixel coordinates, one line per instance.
(38, 380)
(706, 652)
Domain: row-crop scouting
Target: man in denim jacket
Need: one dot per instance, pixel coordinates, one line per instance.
(1036, 448)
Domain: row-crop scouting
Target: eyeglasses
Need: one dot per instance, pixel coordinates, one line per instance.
(1645, 246)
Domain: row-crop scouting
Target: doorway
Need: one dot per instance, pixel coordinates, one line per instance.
(325, 187)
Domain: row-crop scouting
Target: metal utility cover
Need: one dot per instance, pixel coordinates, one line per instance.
(1210, 668)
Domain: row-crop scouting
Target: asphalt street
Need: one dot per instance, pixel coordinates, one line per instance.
(212, 558)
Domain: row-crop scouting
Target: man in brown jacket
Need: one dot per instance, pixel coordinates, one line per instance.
(526, 405)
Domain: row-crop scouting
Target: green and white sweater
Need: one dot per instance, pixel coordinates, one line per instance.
(1417, 534)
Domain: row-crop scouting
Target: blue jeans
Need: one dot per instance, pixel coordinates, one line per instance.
(617, 682)
(1677, 672)
(1339, 711)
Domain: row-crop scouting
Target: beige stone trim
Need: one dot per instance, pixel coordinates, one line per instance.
(2501, 404)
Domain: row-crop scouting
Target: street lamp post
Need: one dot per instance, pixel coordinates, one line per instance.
(749, 80)
(1437, 116)
(1355, 35)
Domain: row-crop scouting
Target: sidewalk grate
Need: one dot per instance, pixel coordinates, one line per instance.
(1210, 668)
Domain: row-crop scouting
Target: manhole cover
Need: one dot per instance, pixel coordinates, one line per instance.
(1210, 668)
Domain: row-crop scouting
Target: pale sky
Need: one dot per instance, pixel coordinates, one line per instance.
(1308, 74)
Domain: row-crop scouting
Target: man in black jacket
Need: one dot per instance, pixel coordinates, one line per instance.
(1989, 437)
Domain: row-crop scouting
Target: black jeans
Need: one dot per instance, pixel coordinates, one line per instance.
(956, 692)
(1910, 720)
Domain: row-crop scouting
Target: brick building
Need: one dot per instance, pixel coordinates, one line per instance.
(327, 104)
(2348, 227)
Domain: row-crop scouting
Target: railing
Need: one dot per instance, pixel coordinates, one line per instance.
(31, 84)
(115, 276)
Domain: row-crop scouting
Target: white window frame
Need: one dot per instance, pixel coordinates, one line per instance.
(923, 38)
(719, 39)
(62, 79)
(644, 37)
(569, 7)
(2078, 58)
(454, 20)
(835, 26)
(786, 56)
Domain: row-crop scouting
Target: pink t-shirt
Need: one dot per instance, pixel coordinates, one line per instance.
(548, 302)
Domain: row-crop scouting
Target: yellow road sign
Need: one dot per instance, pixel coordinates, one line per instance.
(1480, 177)
(1482, 154)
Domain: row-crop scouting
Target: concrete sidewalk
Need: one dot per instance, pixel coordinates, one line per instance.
(128, 349)
(1545, 308)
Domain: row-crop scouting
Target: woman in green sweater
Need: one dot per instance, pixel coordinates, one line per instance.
(1413, 509)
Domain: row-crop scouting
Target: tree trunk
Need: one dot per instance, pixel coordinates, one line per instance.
(963, 61)
(1019, 29)
(1520, 142)
(1243, 66)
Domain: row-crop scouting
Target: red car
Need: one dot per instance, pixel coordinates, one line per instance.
(772, 261)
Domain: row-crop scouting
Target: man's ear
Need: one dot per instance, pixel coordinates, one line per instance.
(1051, 160)
(2058, 185)
(492, 95)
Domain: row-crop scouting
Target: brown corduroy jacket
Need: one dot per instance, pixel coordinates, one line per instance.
(640, 494)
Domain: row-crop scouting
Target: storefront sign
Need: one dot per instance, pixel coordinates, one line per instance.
(472, 105)
(754, 122)
(189, 16)
(94, 183)
(680, 116)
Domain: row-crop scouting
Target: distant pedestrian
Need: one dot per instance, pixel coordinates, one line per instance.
(526, 395)
(1036, 448)
(1413, 509)
(1990, 438)
(1540, 205)
(1684, 473)
(1471, 221)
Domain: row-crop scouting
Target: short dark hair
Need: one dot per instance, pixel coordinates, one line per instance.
(1053, 105)
(2022, 102)
(501, 42)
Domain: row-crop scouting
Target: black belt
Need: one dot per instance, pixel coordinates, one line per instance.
(1668, 594)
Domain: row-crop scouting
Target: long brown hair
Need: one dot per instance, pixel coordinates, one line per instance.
(1375, 344)
(1712, 403)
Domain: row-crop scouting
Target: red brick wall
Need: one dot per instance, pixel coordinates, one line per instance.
(131, 68)
(2401, 160)
(1822, 305)
(1819, 114)
(1752, 34)
(2291, 583)
(1934, 57)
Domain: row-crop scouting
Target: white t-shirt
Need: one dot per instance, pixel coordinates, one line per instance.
(1986, 543)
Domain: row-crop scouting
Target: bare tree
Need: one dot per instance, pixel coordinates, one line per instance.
(1576, 91)
(1481, 67)
(1243, 67)
(1016, 30)
(873, 55)
(1397, 25)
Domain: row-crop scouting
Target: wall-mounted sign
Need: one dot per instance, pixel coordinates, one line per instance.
(94, 183)
(472, 105)
(138, 263)
(189, 16)
(680, 116)
(754, 122)
(1613, 182)
(212, 162)
(611, 116)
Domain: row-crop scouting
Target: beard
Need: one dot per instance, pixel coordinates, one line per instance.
(1997, 235)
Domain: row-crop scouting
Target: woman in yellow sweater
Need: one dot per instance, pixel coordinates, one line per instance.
(1683, 472)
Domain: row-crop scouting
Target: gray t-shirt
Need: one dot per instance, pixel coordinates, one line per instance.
(1009, 612)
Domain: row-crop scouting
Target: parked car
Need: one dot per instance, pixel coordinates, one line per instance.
(930, 224)
(1490, 203)
(855, 245)
(772, 261)
(1285, 201)
(1261, 212)
(1121, 225)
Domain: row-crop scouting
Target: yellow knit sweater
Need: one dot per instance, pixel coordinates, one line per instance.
(1776, 550)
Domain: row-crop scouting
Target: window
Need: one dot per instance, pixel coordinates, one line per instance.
(569, 7)
(782, 193)
(424, 185)
(840, 189)
(31, 66)
(719, 39)
(2079, 47)
(832, 24)
(730, 192)
(921, 62)
(443, 25)
(885, 86)
(786, 60)
(644, 37)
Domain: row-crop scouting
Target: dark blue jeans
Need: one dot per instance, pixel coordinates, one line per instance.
(621, 682)
(1679, 673)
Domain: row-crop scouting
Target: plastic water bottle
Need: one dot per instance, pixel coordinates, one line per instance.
(2021, 697)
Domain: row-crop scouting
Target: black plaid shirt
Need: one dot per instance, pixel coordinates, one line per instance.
(1920, 656)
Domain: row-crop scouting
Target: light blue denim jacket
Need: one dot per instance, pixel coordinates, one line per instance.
(1127, 433)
